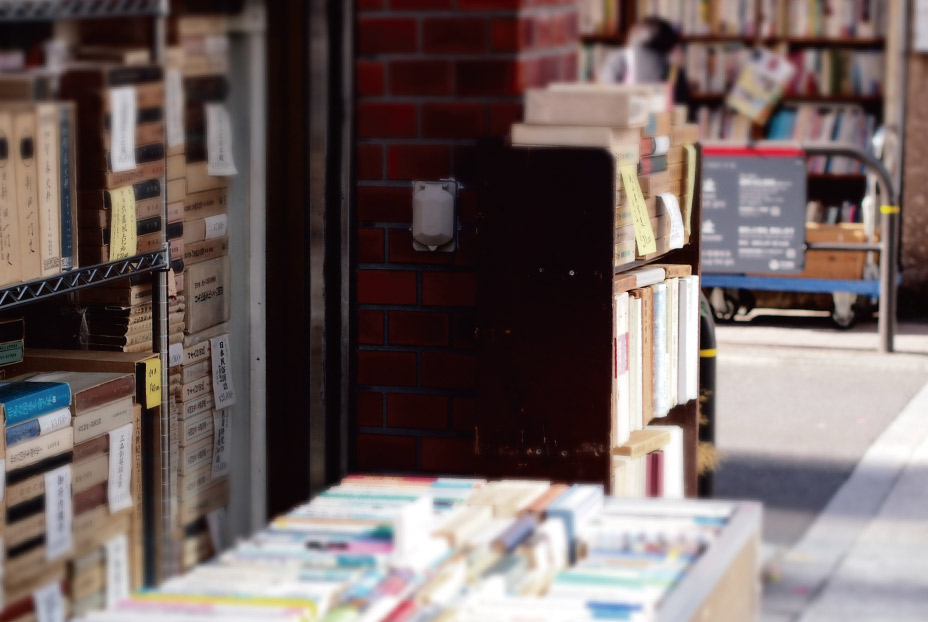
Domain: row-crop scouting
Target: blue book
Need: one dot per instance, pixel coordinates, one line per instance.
(22, 401)
(661, 379)
(46, 424)
(64, 177)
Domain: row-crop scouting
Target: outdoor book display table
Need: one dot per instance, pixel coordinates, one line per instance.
(468, 550)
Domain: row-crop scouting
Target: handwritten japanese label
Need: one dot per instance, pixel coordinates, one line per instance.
(120, 474)
(59, 513)
(123, 118)
(219, 141)
(644, 234)
(223, 390)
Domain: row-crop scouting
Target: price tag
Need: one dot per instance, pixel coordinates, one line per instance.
(152, 382)
(176, 355)
(123, 226)
(690, 187)
(49, 603)
(174, 113)
(661, 145)
(123, 119)
(223, 390)
(216, 226)
(221, 424)
(219, 161)
(644, 234)
(672, 207)
(216, 523)
(117, 570)
(59, 513)
(120, 476)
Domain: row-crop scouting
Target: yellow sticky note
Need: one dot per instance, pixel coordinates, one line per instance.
(153, 382)
(644, 235)
(690, 187)
(123, 238)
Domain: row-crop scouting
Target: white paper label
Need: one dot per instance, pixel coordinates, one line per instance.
(677, 232)
(223, 391)
(216, 523)
(221, 424)
(117, 570)
(120, 475)
(49, 603)
(216, 226)
(219, 141)
(174, 115)
(175, 355)
(54, 421)
(123, 117)
(59, 513)
(661, 145)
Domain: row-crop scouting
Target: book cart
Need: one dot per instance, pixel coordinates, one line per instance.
(545, 387)
(883, 289)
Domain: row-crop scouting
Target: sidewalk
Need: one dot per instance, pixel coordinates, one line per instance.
(834, 437)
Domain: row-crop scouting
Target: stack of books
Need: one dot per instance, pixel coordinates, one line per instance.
(202, 415)
(847, 125)
(38, 204)
(106, 432)
(836, 19)
(648, 138)
(396, 549)
(705, 17)
(12, 341)
(599, 17)
(38, 537)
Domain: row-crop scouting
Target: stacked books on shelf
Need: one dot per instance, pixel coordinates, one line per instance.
(837, 71)
(652, 147)
(656, 337)
(201, 397)
(834, 19)
(705, 17)
(847, 125)
(38, 206)
(73, 490)
(712, 68)
(397, 549)
(719, 123)
(12, 341)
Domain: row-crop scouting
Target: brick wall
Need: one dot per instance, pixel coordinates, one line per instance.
(432, 76)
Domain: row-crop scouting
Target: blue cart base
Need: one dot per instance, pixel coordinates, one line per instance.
(784, 284)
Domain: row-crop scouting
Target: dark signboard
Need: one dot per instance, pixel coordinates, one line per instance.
(753, 210)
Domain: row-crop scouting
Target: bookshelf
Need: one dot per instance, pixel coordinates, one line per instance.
(545, 386)
(46, 10)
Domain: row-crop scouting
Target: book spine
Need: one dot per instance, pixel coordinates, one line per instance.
(46, 424)
(65, 168)
(47, 128)
(23, 408)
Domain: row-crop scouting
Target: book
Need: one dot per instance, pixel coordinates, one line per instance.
(199, 180)
(209, 228)
(102, 420)
(34, 428)
(604, 108)
(652, 164)
(22, 401)
(654, 145)
(208, 303)
(38, 449)
(10, 251)
(661, 373)
(579, 136)
(203, 204)
(67, 191)
(621, 399)
(25, 144)
(205, 250)
(635, 363)
(47, 162)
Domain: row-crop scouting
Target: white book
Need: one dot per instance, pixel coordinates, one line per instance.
(673, 462)
(635, 408)
(620, 408)
(673, 334)
(661, 377)
(691, 342)
(645, 277)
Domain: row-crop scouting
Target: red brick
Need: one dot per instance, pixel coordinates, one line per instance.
(569, 67)
(377, 204)
(449, 371)
(453, 120)
(467, 254)
(425, 5)
(503, 115)
(454, 35)
(420, 77)
(370, 5)
(370, 245)
(370, 327)
(418, 161)
(386, 35)
(467, 207)
(385, 287)
(448, 455)
(409, 328)
(391, 369)
(490, 5)
(370, 79)
(427, 412)
(506, 34)
(370, 162)
(446, 289)
(465, 163)
(488, 78)
(387, 120)
(464, 413)
(376, 452)
(464, 327)
(370, 409)
(402, 251)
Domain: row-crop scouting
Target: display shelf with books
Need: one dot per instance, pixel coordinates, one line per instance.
(50, 10)
(82, 278)
(587, 336)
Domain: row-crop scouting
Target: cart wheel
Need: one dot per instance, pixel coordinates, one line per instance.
(747, 299)
(843, 313)
(724, 305)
